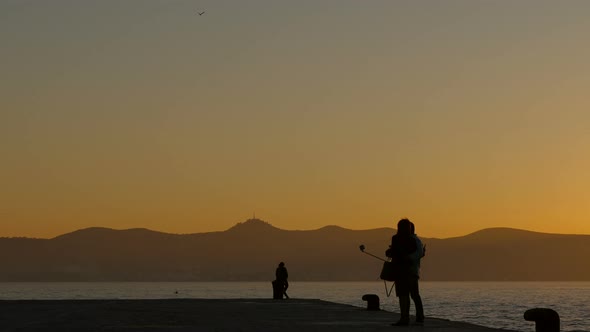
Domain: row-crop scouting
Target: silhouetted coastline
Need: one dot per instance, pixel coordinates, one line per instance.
(101, 254)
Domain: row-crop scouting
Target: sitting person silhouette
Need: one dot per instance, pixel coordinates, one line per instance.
(282, 275)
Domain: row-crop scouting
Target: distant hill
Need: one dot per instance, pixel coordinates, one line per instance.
(250, 251)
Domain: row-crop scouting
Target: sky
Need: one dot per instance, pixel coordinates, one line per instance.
(460, 115)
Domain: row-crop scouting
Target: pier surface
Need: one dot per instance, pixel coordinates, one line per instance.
(207, 315)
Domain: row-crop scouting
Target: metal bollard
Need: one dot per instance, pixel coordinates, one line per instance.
(372, 301)
(546, 320)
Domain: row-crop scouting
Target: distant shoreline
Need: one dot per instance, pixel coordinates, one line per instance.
(99, 254)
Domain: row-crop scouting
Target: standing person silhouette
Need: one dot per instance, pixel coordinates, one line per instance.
(415, 276)
(402, 252)
(282, 275)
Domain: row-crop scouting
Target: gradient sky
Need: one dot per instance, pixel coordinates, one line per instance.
(460, 115)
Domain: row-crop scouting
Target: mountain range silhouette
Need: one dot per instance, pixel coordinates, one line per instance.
(250, 251)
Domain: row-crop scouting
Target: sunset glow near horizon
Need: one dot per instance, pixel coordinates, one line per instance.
(459, 115)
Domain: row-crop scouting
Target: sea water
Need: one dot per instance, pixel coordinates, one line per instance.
(492, 304)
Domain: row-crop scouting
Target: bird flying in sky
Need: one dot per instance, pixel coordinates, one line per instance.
(201, 13)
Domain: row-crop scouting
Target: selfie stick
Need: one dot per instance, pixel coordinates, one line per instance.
(362, 248)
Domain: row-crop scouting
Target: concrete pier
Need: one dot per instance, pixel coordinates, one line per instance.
(207, 315)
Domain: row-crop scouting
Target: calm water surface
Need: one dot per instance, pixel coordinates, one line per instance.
(493, 304)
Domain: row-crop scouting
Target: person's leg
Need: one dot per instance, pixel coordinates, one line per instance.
(415, 294)
(285, 286)
(404, 307)
(402, 291)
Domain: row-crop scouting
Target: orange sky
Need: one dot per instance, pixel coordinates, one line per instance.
(458, 115)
